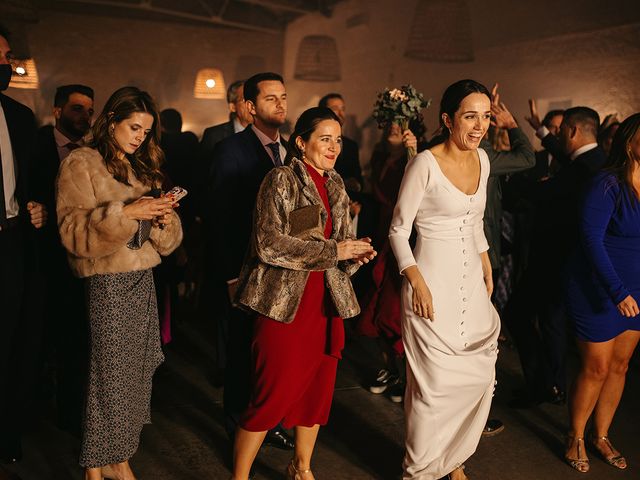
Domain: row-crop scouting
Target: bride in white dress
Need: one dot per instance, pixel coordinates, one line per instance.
(450, 328)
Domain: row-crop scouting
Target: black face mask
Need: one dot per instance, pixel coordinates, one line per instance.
(5, 75)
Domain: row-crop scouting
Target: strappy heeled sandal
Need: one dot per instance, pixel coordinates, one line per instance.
(461, 467)
(295, 474)
(614, 460)
(579, 464)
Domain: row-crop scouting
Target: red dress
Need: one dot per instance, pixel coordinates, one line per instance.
(294, 365)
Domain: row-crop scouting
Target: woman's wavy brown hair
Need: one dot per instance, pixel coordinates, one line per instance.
(621, 160)
(147, 159)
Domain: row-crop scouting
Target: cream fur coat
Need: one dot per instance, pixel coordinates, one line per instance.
(92, 226)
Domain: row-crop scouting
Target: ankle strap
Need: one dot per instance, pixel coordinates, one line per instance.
(293, 465)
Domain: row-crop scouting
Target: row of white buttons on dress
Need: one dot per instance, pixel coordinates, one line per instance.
(465, 252)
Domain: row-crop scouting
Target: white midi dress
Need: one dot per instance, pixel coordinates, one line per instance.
(450, 361)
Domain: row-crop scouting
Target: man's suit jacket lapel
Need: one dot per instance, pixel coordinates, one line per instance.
(256, 149)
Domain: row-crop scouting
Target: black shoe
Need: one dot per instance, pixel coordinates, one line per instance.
(280, 439)
(384, 379)
(10, 450)
(492, 427)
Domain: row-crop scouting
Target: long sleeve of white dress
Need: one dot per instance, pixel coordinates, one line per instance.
(414, 184)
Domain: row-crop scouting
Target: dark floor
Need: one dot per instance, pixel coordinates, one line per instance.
(364, 439)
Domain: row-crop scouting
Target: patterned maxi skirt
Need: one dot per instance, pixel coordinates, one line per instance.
(125, 352)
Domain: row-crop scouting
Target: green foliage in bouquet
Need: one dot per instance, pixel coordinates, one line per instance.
(399, 106)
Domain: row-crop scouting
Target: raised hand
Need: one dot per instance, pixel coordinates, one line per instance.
(500, 115)
(533, 118)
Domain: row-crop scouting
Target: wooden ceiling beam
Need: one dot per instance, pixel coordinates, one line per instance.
(145, 6)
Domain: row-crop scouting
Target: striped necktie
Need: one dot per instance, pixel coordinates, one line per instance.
(275, 148)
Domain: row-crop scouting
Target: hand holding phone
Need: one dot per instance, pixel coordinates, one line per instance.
(176, 194)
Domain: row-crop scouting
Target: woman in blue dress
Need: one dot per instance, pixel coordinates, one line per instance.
(603, 290)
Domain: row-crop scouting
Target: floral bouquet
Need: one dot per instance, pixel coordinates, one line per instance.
(400, 106)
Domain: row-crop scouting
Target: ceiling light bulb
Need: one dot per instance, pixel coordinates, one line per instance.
(20, 70)
(210, 83)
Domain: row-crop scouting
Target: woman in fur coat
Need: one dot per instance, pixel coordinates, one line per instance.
(114, 232)
(296, 279)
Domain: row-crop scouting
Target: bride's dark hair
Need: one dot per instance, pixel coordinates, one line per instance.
(451, 100)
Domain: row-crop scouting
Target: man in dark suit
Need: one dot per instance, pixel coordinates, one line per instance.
(20, 283)
(239, 118)
(240, 163)
(555, 234)
(65, 317)
(214, 288)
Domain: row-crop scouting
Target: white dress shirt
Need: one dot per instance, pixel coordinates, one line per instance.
(62, 143)
(582, 149)
(8, 169)
(265, 140)
(237, 126)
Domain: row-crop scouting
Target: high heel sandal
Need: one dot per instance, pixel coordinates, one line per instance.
(614, 460)
(295, 474)
(579, 464)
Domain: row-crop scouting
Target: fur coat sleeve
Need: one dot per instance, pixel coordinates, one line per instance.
(168, 239)
(88, 230)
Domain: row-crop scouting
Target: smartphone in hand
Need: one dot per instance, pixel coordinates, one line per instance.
(176, 193)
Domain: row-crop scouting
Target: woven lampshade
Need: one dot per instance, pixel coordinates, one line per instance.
(441, 32)
(210, 84)
(317, 59)
(25, 74)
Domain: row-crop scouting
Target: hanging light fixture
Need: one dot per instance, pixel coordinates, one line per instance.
(317, 59)
(25, 74)
(441, 32)
(210, 84)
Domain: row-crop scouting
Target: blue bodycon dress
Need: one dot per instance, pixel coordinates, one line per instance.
(606, 269)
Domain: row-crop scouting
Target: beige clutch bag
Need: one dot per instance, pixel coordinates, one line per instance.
(306, 222)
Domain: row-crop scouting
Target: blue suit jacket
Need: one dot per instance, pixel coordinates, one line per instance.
(239, 165)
